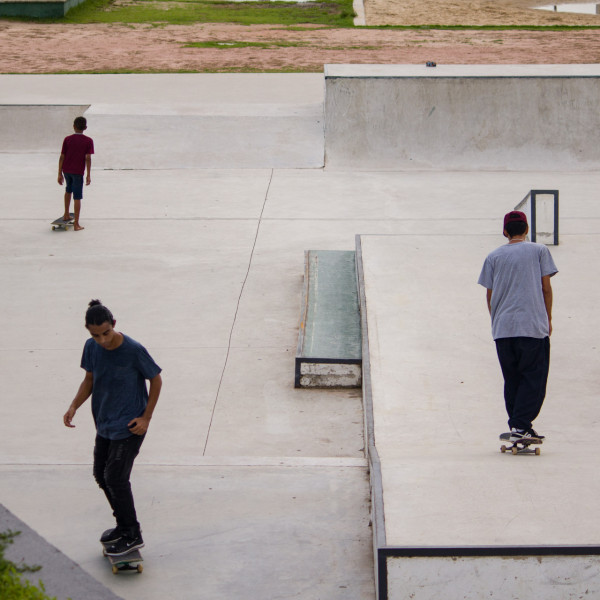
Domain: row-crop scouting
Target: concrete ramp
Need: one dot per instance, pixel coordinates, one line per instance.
(166, 137)
(498, 117)
(207, 136)
(212, 120)
(37, 128)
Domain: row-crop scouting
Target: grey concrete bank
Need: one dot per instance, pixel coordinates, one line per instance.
(62, 578)
(507, 117)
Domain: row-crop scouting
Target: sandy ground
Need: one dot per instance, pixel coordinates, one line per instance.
(41, 48)
(471, 12)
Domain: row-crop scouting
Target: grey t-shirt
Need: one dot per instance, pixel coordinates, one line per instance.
(514, 274)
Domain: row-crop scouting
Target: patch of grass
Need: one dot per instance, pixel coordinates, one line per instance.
(227, 45)
(333, 13)
(300, 28)
(341, 48)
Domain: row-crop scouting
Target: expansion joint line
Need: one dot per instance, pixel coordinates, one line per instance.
(237, 308)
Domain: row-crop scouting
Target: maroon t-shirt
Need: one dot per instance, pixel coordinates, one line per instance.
(75, 147)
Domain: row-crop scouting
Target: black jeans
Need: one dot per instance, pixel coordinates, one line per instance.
(525, 363)
(113, 461)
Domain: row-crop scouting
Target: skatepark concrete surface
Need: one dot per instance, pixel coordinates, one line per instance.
(245, 486)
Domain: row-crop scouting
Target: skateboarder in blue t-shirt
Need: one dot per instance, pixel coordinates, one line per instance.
(116, 369)
(519, 298)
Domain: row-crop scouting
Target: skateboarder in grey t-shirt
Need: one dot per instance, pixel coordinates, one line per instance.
(519, 298)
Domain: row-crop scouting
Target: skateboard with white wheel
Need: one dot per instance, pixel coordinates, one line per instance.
(132, 561)
(61, 224)
(522, 446)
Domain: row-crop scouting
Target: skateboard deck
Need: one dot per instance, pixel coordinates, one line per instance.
(61, 224)
(131, 561)
(522, 446)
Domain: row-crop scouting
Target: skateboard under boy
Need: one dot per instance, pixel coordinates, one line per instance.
(60, 223)
(132, 561)
(521, 446)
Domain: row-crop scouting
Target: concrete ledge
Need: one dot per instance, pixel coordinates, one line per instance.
(62, 577)
(329, 343)
(499, 117)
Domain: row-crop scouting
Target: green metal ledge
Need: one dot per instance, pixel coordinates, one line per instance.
(329, 344)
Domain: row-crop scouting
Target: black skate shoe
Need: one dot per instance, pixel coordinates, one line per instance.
(125, 545)
(110, 536)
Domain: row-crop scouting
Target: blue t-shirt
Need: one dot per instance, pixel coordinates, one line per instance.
(514, 274)
(119, 392)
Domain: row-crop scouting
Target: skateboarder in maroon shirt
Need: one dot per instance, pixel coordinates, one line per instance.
(75, 160)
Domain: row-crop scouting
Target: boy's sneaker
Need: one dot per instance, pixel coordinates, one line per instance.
(535, 434)
(125, 545)
(515, 435)
(110, 536)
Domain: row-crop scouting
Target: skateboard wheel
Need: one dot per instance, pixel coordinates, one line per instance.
(115, 569)
(140, 568)
(514, 450)
(503, 449)
(538, 451)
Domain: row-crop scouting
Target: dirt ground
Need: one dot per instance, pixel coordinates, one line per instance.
(471, 12)
(42, 48)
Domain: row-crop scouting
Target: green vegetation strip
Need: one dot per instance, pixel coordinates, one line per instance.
(296, 16)
(331, 13)
(226, 45)
(12, 587)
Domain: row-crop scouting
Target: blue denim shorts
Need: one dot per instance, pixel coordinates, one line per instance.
(74, 185)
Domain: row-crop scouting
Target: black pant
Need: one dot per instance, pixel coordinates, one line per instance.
(113, 461)
(525, 363)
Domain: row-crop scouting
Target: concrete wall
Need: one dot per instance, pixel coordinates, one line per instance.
(507, 578)
(513, 117)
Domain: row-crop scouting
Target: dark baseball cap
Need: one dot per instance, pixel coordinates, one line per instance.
(515, 216)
